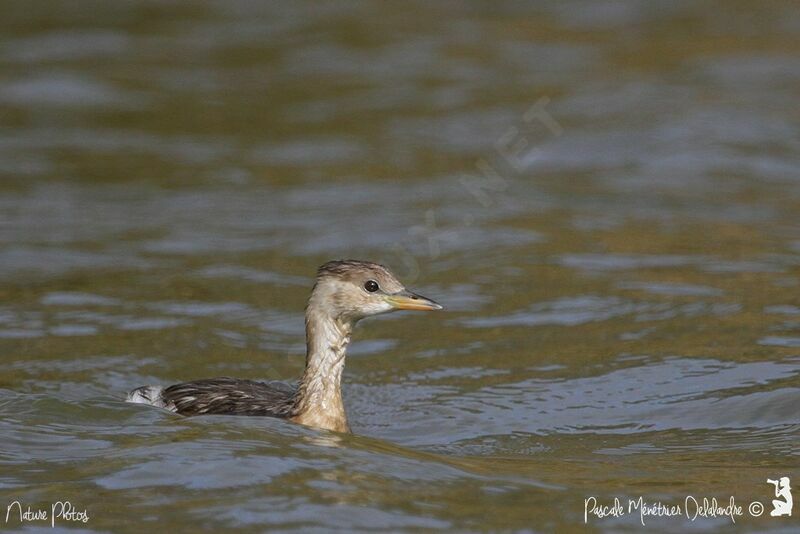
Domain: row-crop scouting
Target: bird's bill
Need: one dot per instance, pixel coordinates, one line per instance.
(406, 300)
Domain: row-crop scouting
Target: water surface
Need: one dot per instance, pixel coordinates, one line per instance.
(604, 196)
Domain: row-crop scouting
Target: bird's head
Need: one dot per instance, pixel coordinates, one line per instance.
(351, 290)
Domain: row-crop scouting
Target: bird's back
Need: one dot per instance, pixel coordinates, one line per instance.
(226, 396)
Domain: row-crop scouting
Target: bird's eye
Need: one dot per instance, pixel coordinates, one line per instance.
(371, 286)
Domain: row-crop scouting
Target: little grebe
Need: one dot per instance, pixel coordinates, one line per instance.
(344, 293)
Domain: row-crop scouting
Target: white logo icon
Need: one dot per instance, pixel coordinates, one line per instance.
(782, 504)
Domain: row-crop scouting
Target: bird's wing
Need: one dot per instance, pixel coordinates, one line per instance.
(231, 396)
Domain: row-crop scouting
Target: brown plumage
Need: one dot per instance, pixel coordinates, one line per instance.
(345, 292)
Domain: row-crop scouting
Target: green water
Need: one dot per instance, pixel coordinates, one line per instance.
(604, 196)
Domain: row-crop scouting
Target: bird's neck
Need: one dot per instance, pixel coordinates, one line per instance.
(319, 395)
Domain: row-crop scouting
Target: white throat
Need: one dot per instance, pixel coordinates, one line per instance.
(319, 402)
